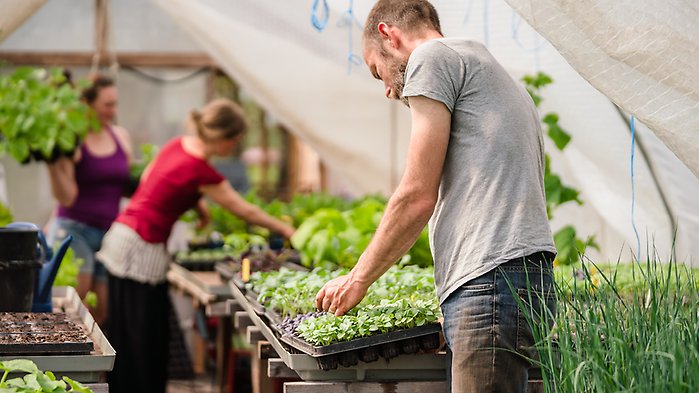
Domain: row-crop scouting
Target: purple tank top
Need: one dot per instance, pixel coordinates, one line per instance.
(101, 183)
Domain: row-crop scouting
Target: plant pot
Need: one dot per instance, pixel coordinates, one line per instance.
(18, 266)
(18, 244)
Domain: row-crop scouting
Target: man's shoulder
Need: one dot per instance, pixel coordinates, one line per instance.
(448, 47)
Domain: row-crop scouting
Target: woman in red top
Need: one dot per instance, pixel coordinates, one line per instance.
(134, 249)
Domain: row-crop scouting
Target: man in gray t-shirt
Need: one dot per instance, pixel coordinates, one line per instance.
(475, 170)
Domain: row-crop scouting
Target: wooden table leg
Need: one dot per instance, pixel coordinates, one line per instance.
(223, 346)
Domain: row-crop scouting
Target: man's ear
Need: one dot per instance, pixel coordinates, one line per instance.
(384, 31)
(389, 33)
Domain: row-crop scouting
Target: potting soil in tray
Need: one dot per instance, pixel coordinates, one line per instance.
(34, 333)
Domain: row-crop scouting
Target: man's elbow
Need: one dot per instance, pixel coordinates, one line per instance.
(424, 207)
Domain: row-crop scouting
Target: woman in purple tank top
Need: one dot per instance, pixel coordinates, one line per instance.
(89, 187)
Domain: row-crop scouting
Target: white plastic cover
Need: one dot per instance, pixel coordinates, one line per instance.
(301, 76)
(14, 13)
(643, 55)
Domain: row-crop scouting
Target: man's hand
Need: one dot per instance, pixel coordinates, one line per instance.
(339, 295)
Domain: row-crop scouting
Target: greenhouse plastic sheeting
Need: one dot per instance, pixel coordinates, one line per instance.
(14, 13)
(642, 54)
(303, 77)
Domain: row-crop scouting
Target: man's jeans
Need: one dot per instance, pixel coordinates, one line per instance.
(488, 331)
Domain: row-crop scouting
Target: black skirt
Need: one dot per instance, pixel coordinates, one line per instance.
(138, 330)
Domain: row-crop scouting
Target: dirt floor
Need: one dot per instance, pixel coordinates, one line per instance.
(200, 385)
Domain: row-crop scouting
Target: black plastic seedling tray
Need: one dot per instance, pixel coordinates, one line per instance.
(197, 266)
(363, 342)
(28, 333)
(369, 349)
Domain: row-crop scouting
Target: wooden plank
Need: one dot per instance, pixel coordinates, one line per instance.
(261, 383)
(276, 368)
(232, 306)
(254, 335)
(98, 387)
(125, 59)
(191, 283)
(223, 346)
(367, 387)
(266, 350)
(241, 320)
(199, 353)
(218, 309)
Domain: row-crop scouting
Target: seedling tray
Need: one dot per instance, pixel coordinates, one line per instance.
(82, 367)
(41, 333)
(422, 366)
(197, 265)
(227, 270)
(252, 298)
(368, 349)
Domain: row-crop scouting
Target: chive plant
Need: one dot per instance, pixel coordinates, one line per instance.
(609, 336)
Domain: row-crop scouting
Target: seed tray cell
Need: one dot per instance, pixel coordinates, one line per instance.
(35, 333)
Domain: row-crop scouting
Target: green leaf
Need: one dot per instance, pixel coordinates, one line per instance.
(47, 384)
(559, 136)
(566, 245)
(22, 365)
(77, 386)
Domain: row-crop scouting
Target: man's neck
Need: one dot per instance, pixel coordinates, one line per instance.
(410, 43)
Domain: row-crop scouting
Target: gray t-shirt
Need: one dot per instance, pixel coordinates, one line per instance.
(491, 206)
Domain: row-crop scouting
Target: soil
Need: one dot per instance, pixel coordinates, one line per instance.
(28, 317)
(43, 338)
(36, 332)
(45, 327)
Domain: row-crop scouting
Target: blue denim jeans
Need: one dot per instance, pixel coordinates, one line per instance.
(491, 344)
(86, 242)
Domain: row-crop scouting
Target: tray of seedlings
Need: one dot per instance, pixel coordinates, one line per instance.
(42, 333)
(261, 260)
(398, 316)
(203, 259)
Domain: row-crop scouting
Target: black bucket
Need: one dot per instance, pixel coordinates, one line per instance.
(18, 266)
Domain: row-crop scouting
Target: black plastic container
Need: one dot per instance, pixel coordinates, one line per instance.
(18, 266)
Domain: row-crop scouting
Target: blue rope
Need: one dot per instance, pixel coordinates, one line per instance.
(633, 192)
(320, 23)
(469, 6)
(515, 22)
(349, 20)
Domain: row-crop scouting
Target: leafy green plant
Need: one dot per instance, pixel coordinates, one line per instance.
(612, 336)
(337, 238)
(35, 381)
(404, 297)
(5, 215)
(67, 275)
(148, 153)
(68, 271)
(569, 246)
(41, 116)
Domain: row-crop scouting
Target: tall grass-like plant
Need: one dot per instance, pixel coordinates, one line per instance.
(608, 338)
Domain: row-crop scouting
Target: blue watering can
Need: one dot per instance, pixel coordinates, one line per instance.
(50, 262)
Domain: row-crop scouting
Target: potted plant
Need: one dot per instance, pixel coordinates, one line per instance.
(41, 115)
